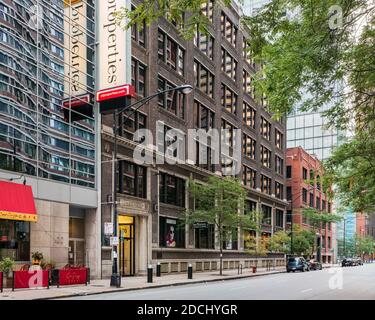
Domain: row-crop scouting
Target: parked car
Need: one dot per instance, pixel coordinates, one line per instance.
(349, 262)
(297, 263)
(357, 261)
(315, 265)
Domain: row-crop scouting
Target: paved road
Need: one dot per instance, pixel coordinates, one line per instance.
(357, 283)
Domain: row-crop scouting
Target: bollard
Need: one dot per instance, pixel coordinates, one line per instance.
(149, 273)
(158, 270)
(190, 271)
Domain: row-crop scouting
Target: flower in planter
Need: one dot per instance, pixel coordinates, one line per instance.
(6, 266)
(37, 257)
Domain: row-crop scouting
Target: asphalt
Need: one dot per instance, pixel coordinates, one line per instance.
(328, 284)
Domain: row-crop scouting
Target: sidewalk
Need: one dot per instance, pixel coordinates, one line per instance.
(134, 283)
(131, 283)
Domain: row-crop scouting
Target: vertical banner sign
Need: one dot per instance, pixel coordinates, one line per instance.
(114, 53)
(75, 48)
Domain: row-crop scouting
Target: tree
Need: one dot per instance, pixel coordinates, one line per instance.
(173, 10)
(317, 53)
(257, 246)
(279, 242)
(364, 245)
(219, 202)
(303, 241)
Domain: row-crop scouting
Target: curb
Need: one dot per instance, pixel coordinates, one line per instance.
(161, 285)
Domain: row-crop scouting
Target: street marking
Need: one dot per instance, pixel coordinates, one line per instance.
(237, 288)
(306, 290)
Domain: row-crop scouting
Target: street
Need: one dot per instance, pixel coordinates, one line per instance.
(357, 283)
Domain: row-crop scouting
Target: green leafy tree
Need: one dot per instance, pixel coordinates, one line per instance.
(219, 202)
(303, 241)
(257, 246)
(324, 48)
(279, 242)
(364, 245)
(172, 10)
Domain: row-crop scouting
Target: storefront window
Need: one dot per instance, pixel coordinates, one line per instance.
(205, 237)
(231, 239)
(172, 233)
(15, 240)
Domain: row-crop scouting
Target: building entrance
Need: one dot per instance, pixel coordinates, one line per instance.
(126, 246)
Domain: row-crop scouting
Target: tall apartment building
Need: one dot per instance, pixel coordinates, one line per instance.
(46, 62)
(152, 198)
(304, 189)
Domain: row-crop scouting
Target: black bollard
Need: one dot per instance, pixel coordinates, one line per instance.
(149, 273)
(190, 271)
(158, 270)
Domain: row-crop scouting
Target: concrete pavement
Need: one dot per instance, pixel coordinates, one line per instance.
(328, 284)
(130, 283)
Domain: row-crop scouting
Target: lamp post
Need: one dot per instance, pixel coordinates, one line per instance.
(185, 89)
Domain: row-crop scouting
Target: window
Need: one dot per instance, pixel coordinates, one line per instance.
(265, 129)
(279, 139)
(139, 77)
(267, 215)
(312, 177)
(247, 53)
(171, 233)
(249, 177)
(329, 243)
(250, 206)
(265, 184)
(173, 101)
(132, 179)
(248, 115)
(204, 79)
(132, 121)
(205, 43)
(247, 84)
(279, 218)
(171, 53)
(230, 241)
(279, 190)
(289, 216)
(317, 203)
(329, 207)
(279, 165)
(172, 190)
(311, 200)
(138, 32)
(265, 156)
(228, 135)
(204, 117)
(205, 237)
(288, 172)
(304, 195)
(228, 64)
(248, 146)
(324, 205)
(15, 240)
(304, 173)
(289, 193)
(228, 29)
(228, 99)
(207, 9)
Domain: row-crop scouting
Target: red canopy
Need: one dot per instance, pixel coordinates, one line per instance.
(16, 202)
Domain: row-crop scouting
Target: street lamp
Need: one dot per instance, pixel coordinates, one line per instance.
(185, 89)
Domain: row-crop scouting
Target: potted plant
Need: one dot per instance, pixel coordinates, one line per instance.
(6, 266)
(37, 257)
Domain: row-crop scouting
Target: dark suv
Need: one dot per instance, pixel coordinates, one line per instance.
(297, 263)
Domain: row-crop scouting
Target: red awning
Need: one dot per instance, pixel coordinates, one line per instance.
(16, 202)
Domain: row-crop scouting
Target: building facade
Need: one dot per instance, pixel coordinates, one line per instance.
(47, 53)
(304, 190)
(153, 198)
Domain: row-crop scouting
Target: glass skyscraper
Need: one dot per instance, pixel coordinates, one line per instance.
(36, 70)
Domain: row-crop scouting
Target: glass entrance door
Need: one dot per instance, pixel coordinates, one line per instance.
(126, 246)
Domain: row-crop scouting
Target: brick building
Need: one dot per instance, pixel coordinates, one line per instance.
(152, 198)
(304, 190)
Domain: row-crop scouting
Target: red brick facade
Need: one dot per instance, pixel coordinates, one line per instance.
(304, 189)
